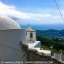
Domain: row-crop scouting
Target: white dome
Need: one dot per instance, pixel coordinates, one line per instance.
(8, 23)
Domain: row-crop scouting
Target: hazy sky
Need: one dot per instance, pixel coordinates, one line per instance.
(33, 11)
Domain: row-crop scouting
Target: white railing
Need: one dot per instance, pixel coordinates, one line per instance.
(59, 57)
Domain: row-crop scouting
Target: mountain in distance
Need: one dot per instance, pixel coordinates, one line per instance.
(52, 34)
(49, 31)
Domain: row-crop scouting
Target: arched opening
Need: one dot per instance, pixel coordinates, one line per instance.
(31, 35)
(26, 33)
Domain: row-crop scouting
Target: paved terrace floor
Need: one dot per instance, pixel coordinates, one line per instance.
(36, 46)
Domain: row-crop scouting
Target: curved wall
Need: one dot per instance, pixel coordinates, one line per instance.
(10, 44)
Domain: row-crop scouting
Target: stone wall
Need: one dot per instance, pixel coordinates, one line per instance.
(33, 55)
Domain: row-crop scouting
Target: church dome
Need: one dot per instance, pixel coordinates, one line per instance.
(8, 23)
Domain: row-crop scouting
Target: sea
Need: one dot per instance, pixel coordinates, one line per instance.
(45, 27)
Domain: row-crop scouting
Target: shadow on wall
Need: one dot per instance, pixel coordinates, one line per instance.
(38, 45)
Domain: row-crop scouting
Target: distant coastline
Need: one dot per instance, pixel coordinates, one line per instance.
(46, 27)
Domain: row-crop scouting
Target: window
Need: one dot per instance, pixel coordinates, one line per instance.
(31, 35)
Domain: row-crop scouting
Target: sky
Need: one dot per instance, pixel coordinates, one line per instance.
(35, 12)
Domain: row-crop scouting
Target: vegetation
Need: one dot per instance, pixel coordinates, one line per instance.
(57, 45)
(52, 34)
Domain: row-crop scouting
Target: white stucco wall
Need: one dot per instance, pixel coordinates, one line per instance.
(28, 36)
(10, 44)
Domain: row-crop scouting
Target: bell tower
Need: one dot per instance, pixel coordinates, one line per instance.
(30, 35)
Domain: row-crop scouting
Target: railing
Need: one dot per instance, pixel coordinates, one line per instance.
(59, 57)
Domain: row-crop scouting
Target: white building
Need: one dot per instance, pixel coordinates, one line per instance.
(30, 35)
(10, 37)
(32, 42)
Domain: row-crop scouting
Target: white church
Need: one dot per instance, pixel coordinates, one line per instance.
(11, 34)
